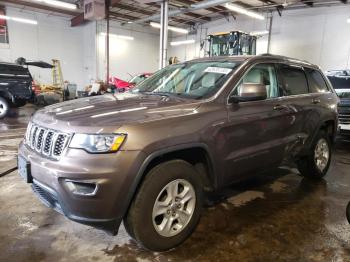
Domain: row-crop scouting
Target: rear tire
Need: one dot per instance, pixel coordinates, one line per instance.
(167, 207)
(316, 164)
(4, 107)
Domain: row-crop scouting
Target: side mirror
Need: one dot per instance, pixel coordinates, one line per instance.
(250, 92)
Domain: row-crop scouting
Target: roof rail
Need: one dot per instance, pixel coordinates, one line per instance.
(287, 58)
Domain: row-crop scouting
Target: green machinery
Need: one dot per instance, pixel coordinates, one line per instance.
(231, 44)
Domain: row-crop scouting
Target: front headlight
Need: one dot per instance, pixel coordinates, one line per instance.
(98, 143)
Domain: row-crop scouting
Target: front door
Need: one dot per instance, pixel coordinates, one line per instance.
(256, 133)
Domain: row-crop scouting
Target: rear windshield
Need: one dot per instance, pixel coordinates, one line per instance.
(194, 80)
(13, 71)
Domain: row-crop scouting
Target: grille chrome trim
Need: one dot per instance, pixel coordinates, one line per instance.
(47, 142)
(344, 117)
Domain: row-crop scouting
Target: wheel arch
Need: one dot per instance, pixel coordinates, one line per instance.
(185, 152)
(6, 95)
(328, 125)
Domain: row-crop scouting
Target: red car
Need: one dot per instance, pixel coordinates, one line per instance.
(123, 86)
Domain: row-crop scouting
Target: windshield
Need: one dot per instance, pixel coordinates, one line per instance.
(343, 93)
(193, 80)
(137, 79)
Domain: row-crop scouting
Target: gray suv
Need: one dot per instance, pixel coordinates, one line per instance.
(148, 156)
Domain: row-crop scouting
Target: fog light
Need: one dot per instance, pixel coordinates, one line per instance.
(82, 188)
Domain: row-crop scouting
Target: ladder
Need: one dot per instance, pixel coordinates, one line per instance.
(57, 77)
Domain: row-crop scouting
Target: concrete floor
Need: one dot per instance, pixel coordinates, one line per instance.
(275, 217)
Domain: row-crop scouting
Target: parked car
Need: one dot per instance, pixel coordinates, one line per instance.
(15, 87)
(149, 156)
(123, 86)
(339, 78)
(344, 110)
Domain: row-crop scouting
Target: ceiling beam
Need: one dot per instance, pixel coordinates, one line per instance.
(127, 17)
(78, 20)
(269, 2)
(42, 7)
(308, 3)
(180, 4)
(179, 20)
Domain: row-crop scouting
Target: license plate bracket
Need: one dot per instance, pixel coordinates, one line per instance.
(24, 169)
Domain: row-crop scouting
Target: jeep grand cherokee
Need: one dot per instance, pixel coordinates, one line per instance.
(146, 157)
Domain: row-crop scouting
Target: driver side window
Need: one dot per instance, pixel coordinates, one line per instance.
(264, 74)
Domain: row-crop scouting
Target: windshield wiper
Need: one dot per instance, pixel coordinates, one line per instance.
(168, 94)
(157, 93)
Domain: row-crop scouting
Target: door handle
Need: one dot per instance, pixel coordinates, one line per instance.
(316, 101)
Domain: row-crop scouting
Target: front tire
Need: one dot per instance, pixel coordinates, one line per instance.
(4, 107)
(317, 163)
(167, 207)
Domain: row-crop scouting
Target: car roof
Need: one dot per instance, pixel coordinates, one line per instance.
(257, 58)
(10, 64)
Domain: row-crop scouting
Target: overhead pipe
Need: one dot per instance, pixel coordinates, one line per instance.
(193, 7)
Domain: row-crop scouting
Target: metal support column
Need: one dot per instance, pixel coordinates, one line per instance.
(163, 44)
(107, 40)
(270, 33)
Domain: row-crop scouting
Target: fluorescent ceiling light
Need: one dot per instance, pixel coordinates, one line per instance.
(185, 42)
(119, 36)
(20, 20)
(259, 33)
(244, 11)
(348, 20)
(59, 4)
(172, 28)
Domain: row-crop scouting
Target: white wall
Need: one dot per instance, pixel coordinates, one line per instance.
(128, 57)
(81, 49)
(52, 38)
(318, 35)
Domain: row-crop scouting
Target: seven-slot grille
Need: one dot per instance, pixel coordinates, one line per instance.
(344, 115)
(47, 142)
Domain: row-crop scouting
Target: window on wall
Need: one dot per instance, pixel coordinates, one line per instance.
(4, 39)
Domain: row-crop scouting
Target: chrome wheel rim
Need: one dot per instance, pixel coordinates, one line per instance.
(321, 154)
(2, 108)
(174, 208)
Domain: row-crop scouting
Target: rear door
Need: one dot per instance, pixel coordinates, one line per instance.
(295, 94)
(322, 96)
(256, 134)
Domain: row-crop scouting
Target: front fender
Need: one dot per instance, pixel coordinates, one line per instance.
(141, 173)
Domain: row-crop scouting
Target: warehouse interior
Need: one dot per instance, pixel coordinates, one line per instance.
(91, 48)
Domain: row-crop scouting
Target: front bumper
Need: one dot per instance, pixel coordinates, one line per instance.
(112, 173)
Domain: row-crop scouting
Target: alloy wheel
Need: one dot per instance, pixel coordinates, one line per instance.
(173, 208)
(321, 154)
(3, 108)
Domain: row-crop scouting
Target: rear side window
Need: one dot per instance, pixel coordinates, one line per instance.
(293, 81)
(13, 71)
(317, 83)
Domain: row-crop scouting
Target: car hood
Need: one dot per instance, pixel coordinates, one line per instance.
(112, 111)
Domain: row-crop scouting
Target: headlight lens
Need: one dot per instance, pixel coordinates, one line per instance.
(98, 143)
